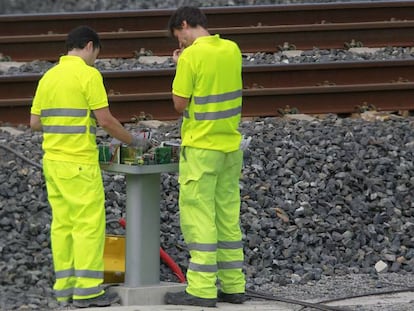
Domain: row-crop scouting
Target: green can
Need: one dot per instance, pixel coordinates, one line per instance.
(104, 153)
(163, 155)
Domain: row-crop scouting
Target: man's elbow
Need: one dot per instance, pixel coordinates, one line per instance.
(35, 123)
(180, 103)
(35, 127)
(179, 108)
(106, 122)
(104, 118)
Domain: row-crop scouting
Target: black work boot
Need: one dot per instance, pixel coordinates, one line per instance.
(104, 300)
(183, 298)
(231, 298)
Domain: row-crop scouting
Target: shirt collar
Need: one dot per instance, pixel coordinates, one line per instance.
(210, 38)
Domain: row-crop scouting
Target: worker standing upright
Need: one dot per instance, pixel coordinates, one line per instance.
(69, 102)
(207, 89)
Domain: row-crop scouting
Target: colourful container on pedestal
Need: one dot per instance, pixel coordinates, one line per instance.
(104, 153)
(163, 155)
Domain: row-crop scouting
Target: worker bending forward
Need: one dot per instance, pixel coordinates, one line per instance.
(207, 89)
(69, 100)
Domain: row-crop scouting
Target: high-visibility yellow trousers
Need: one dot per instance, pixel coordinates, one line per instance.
(209, 205)
(77, 199)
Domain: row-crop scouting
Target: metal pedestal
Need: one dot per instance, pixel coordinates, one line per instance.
(142, 259)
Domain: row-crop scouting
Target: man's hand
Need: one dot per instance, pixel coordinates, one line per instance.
(114, 145)
(176, 55)
(245, 142)
(142, 139)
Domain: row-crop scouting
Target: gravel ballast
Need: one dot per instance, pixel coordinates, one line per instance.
(322, 199)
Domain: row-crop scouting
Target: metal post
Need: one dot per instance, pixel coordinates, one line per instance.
(142, 265)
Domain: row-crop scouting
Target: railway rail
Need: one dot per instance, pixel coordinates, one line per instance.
(127, 44)
(338, 87)
(313, 88)
(265, 15)
(264, 28)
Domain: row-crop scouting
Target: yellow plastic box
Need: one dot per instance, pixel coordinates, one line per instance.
(114, 259)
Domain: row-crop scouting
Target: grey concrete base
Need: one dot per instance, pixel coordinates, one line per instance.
(146, 295)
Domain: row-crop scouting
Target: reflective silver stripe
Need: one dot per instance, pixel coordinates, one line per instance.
(201, 100)
(87, 291)
(67, 129)
(64, 293)
(230, 264)
(64, 129)
(64, 112)
(230, 245)
(202, 247)
(64, 273)
(202, 268)
(186, 114)
(218, 114)
(89, 274)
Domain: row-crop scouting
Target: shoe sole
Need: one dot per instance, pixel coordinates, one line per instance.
(95, 304)
(233, 302)
(231, 299)
(194, 302)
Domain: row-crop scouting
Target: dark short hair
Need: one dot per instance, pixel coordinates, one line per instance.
(192, 15)
(79, 37)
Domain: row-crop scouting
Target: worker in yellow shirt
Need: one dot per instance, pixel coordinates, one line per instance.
(70, 101)
(207, 89)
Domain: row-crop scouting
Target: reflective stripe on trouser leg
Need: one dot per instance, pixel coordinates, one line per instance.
(230, 248)
(75, 193)
(199, 173)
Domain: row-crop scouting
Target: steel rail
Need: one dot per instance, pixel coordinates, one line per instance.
(250, 39)
(342, 99)
(254, 76)
(260, 102)
(218, 17)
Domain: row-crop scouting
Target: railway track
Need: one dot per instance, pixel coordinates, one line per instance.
(264, 28)
(266, 15)
(127, 44)
(337, 87)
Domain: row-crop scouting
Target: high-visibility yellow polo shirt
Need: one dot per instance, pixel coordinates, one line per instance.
(65, 98)
(209, 72)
